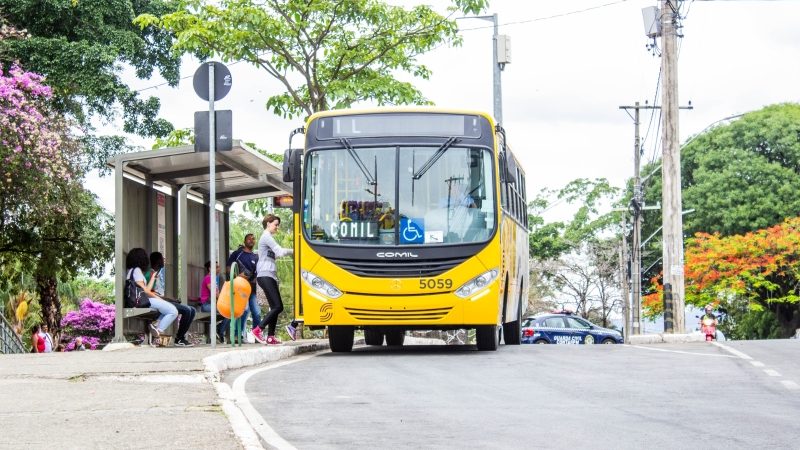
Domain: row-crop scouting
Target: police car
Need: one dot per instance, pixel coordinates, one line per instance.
(565, 328)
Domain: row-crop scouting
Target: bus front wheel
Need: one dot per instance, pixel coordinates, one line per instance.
(487, 337)
(340, 338)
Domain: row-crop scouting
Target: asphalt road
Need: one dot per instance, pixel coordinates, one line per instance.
(537, 396)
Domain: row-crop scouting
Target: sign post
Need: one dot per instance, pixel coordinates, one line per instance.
(207, 91)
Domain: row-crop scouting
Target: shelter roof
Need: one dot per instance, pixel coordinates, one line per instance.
(241, 174)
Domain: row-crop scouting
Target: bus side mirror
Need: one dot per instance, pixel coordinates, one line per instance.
(291, 158)
(510, 168)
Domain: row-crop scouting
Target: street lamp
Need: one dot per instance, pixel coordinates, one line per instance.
(501, 55)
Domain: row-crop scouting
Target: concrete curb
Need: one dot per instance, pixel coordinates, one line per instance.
(236, 359)
(665, 338)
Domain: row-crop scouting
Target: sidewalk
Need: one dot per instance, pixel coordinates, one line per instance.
(132, 398)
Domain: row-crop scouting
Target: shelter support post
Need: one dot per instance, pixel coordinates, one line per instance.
(183, 255)
(119, 262)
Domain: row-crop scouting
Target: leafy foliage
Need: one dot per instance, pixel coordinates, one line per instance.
(327, 54)
(761, 268)
(740, 177)
(79, 45)
(93, 322)
(550, 240)
(50, 225)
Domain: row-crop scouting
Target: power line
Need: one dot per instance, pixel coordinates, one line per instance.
(555, 16)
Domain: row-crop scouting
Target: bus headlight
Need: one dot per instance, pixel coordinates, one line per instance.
(476, 284)
(320, 285)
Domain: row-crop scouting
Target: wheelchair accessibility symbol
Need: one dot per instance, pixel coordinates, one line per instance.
(412, 231)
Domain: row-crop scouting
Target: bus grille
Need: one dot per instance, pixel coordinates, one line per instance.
(398, 314)
(398, 268)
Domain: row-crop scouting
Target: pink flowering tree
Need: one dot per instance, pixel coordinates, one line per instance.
(93, 322)
(50, 225)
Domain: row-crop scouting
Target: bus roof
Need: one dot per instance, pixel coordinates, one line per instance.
(399, 109)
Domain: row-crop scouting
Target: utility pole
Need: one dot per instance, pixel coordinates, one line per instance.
(637, 204)
(623, 280)
(671, 175)
(636, 236)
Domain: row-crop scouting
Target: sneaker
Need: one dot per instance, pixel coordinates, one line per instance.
(292, 331)
(155, 336)
(183, 343)
(257, 333)
(272, 340)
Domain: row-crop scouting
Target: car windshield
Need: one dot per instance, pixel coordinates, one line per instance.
(423, 195)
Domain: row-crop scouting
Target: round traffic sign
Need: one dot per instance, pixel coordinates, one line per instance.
(222, 80)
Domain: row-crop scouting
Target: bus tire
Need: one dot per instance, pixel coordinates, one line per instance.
(373, 336)
(512, 331)
(340, 338)
(395, 337)
(487, 337)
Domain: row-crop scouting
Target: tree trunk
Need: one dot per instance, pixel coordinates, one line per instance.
(46, 286)
(788, 315)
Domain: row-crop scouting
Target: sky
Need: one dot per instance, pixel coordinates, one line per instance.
(572, 65)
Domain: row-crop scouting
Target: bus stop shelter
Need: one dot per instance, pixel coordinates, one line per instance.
(162, 204)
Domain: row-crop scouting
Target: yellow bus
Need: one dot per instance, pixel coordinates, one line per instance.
(408, 219)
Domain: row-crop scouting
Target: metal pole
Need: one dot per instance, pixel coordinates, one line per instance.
(498, 92)
(496, 83)
(119, 261)
(212, 203)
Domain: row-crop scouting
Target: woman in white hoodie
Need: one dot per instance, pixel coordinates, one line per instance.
(267, 279)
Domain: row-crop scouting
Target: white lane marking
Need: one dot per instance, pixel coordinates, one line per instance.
(757, 363)
(679, 351)
(269, 435)
(772, 373)
(733, 351)
(791, 385)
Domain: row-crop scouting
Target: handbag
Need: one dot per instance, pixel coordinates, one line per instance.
(135, 297)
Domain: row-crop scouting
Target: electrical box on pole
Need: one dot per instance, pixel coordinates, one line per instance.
(503, 49)
(652, 21)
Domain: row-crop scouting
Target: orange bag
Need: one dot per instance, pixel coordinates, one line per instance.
(241, 293)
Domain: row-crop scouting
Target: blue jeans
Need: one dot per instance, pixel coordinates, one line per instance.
(253, 308)
(167, 311)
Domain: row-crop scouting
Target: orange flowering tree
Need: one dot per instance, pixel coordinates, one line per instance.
(760, 267)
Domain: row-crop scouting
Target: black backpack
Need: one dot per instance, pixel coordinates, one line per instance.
(135, 297)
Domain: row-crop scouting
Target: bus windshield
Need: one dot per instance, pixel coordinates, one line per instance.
(394, 196)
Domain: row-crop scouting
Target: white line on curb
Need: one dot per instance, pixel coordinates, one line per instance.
(772, 373)
(757, 363)
(256, 420)
(241, 427)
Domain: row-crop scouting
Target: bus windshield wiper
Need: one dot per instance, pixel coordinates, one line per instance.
(435, 157)
(357, 159)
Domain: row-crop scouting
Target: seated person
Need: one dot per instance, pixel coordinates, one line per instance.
(155, 280)
(205, 300)
(136, 262)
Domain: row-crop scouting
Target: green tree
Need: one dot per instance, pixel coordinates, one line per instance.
(50, 226)
(565, 255)
(739, 177)
(551, 240)
(327, 54)
(82, 47)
